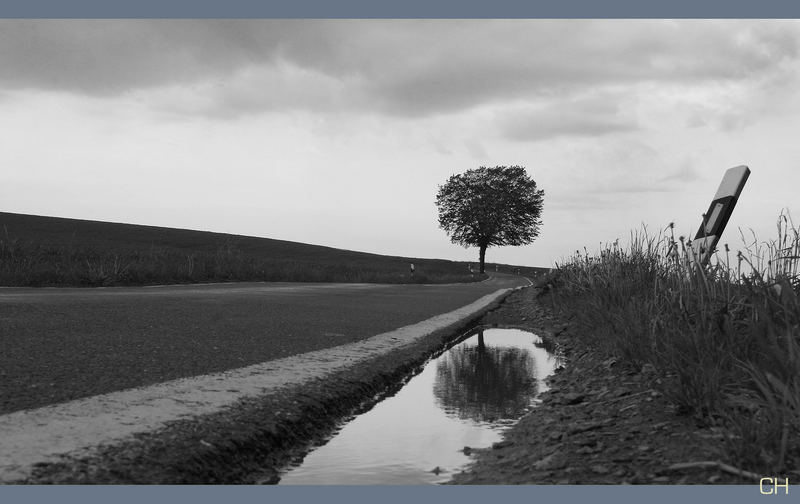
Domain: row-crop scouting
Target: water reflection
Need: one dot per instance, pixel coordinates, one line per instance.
(486, 383)
(465, 397)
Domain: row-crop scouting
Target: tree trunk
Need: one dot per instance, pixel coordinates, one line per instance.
(483, 258)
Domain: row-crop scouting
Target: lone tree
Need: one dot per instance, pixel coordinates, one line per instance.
(488, 207)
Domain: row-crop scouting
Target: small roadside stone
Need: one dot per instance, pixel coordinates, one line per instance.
(501, 444)
(550, 462)
(573, 398)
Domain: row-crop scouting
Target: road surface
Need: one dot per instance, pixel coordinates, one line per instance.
(62, 344)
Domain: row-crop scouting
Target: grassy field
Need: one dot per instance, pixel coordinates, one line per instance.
(50, 251)
(723, 343)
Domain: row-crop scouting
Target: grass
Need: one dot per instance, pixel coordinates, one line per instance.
(724, 340)
(48, 251)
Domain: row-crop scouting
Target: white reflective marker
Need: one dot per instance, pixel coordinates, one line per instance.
(712, 219)
(718, 213)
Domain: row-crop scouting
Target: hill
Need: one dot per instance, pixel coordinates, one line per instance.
(54, 251)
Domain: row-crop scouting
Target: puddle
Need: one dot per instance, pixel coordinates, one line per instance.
(465, 397)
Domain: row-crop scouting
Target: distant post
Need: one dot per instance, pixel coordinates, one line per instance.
(720, 210)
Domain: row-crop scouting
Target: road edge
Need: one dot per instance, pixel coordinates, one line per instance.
(230, 443)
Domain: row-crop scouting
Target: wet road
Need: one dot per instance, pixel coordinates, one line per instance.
(62, 344)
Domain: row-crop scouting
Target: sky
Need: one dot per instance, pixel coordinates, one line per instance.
(339, 132)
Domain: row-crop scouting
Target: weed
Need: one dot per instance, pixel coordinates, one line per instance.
(725, 339)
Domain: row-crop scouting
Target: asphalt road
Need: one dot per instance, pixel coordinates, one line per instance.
(62, 344)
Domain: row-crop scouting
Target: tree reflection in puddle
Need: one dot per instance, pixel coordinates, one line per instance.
(486, 383)
(465, 397)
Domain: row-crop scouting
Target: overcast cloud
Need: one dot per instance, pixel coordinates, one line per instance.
(217, 124)
(404, 67)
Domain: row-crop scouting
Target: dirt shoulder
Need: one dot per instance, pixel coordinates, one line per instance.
(601, 422)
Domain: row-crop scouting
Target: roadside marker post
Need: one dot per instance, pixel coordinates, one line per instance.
(719, 211)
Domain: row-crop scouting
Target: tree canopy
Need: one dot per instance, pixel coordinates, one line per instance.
(487, 207)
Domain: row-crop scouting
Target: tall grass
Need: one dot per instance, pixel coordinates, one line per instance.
(724, 340)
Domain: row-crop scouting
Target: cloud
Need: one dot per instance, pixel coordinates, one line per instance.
(252, 90)
(686, 173)
(592, 117)
(582, 202)
(114, 56)
(408, 68)
(476, 149)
